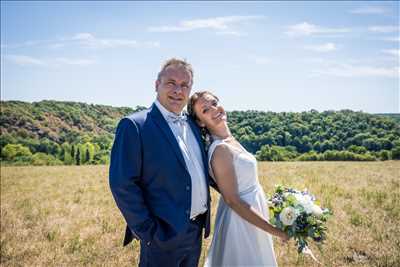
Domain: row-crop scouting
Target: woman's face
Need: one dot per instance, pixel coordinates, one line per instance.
(209, 113)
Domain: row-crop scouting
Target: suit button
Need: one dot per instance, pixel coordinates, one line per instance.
(187, 188)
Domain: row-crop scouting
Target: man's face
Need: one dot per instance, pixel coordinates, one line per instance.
(173, 88)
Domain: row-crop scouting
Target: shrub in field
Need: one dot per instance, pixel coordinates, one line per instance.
(309, 156)
(40, 158)
(396, 152)
(13, 152)
(276, 153)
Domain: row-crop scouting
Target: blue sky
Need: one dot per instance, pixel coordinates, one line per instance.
(272, 56)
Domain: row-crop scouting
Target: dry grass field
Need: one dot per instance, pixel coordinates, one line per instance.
(66, 216)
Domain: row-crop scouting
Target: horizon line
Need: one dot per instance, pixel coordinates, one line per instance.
(141, 106)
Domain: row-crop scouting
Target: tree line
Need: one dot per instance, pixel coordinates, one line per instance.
(71, 133)
(329, 135)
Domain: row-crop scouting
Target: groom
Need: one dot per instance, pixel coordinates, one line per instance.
(158, 174)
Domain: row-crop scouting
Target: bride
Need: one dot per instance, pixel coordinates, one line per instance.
(242, 234)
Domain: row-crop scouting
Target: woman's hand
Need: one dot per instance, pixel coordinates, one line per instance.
(283, 236)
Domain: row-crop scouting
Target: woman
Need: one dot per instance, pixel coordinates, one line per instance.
(242, 231)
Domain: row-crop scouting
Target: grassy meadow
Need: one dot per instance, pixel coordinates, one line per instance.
(66, 216)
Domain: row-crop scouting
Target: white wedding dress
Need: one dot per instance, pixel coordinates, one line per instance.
(237, 242)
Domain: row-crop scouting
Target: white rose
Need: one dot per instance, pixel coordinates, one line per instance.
(288, 215)
(316, 210)
(306, 202)
(308, 207)
(299, 197)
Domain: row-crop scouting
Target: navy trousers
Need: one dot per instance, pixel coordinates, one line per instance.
(187, 254)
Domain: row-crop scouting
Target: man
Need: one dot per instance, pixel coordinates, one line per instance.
(158, 174)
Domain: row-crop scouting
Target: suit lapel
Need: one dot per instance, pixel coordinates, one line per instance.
(166, 130)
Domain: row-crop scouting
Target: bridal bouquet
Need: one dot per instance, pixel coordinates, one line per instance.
(299, 215)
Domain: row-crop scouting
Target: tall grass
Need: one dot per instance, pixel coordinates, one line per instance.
(65, 215)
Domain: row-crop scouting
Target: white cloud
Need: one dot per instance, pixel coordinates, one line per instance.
(383, 28)
(86, 40)
(367, 10)
(56, 45)
(328, 47)
(259, 60)
(262, 60)
(29, 43)
(232, 33)
(23, 60)
(351, 70)
(151, 44)
(307, 29)
(392, 39)
(394, 52)
(220, 24)
(83, 36)
(78, 62)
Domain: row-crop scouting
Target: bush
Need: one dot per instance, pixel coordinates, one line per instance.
(385, 155)
(332, 155)
(396, 152)
(357, 149)
(309, 156)
(102, 157)
(276, 153)
(40, 158)
(13, 152)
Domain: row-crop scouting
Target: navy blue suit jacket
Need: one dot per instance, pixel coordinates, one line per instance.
(150, 181)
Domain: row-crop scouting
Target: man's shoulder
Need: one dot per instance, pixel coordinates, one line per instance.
(138, 117)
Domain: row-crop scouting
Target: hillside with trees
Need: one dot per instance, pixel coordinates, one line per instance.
(72, 133)
(53, 132)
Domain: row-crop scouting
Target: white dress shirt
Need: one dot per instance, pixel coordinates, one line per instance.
(192, 155)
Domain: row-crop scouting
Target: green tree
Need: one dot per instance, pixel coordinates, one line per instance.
(12, 152)
(357, 149)
(371, 144)
(396, 152)
(90, 150)
(385, 154)
(41, 158)
(87, 157)
(61, 156)
(326, 145)
(102, 157)
(67, 158)
(5, 139)
(309, 156)
(72, 151)
(78, 157)
(276, 153)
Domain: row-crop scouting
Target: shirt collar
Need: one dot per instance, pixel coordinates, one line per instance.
(164, 111)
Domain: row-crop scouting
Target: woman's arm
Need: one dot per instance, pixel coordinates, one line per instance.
(224, 172)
